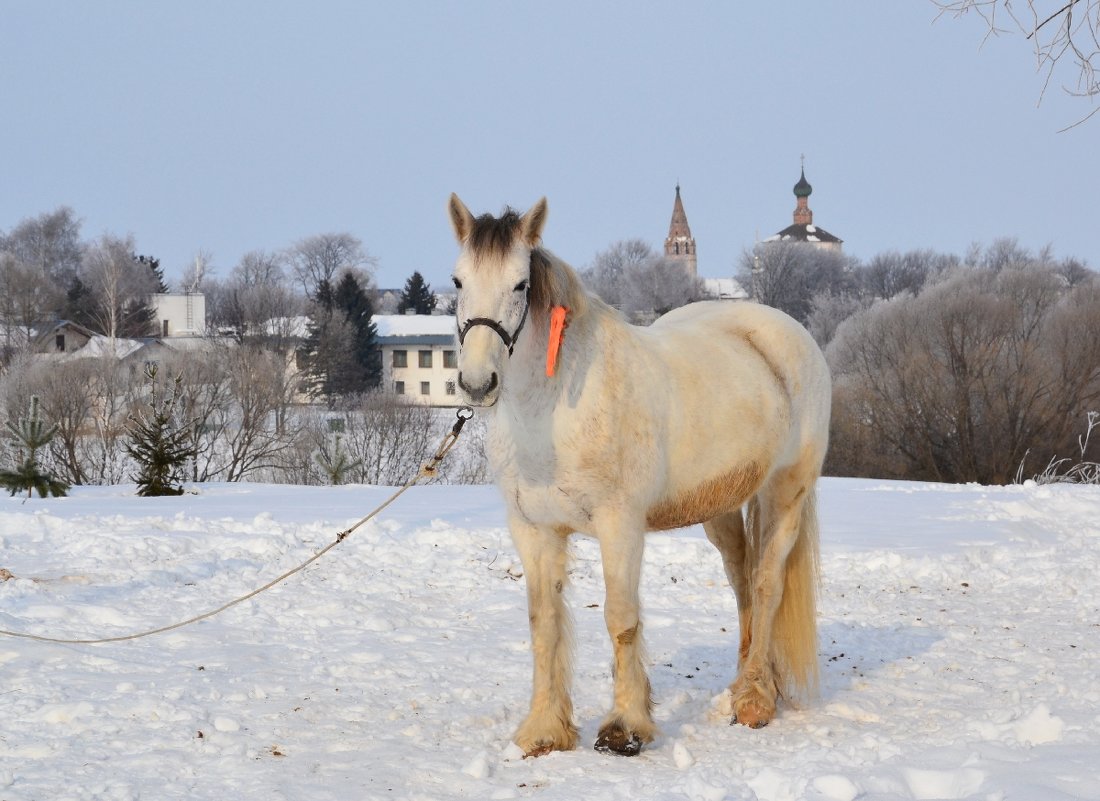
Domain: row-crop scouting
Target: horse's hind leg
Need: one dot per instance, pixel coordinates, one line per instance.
(782, 654)
(727, 533)
(549, 724)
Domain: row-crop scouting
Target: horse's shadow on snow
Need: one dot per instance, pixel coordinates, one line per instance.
(849, 653)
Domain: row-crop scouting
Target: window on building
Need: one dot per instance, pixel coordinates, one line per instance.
(59, 341)
(425, 358)
(399, 387)
(450, 359)
(164, 328)
(425, 388)
(400, 358)
(450, 387)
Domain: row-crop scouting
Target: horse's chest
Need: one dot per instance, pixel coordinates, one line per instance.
(544, 483)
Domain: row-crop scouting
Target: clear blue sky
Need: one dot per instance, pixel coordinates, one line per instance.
(236, 126)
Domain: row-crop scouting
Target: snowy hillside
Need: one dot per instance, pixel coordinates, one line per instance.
(960, 633)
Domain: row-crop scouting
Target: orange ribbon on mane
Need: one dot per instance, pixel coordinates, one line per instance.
(557, 332)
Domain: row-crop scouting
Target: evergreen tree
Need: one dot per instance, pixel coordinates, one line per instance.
(417, 296)
(331, 368)
(79, 304)
(139, 317)
(335, 462)
(340, 349)
(30, 435)
(159, 445)
(153, 263)
(351, 296)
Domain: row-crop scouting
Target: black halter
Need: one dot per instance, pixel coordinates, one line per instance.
(508, 339)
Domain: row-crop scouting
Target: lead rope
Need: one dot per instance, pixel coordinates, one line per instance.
(427, 470)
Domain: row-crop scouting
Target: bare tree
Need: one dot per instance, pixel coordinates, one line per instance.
(198, 272)
(257, 383)
(789, 275)
(119, 284)
(828, 311)
(259, 303)
(613, 268)
(27, 296)
(891, 273)
(319, 258)
(964, 381)
(630, 276)
(1066, 30)
(50, 243)
(38, 260)
(657, 287)
(68, 401)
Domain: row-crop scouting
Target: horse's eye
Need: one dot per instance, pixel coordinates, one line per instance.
(458, 284)
(522, 285)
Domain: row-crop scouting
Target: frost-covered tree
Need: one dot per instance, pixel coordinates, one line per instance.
(630, 276)
(610, 270)
(319, 258)
(789, 275)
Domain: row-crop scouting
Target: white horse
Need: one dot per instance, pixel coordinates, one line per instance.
(714, 407)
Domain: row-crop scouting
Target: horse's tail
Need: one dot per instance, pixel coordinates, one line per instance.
(794, 642)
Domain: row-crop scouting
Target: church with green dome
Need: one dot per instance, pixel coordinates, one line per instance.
(803, 229)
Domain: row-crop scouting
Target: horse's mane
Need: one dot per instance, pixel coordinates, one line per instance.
(555, 283)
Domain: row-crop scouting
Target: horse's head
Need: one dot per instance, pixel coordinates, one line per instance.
(494, 279)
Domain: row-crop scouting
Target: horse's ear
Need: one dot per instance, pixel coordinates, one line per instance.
(531, 224)
(461, 219)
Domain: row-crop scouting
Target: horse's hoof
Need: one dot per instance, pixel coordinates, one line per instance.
(615, 740)
(756, 724)
(542, 749)
(753, 715)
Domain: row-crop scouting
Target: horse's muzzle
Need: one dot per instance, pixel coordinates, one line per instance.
(477, 395)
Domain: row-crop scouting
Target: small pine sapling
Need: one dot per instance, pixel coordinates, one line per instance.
(158, 443)
(30, 435)
(334, 461)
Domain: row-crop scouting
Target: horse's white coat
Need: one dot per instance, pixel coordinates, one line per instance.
(715, 406)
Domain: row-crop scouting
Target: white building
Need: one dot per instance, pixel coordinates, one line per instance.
(180, 315)
(419, 357)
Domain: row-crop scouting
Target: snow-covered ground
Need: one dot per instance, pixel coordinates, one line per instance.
(960, 633)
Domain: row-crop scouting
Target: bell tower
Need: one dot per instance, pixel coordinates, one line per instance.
(680, 244)
(802, 190)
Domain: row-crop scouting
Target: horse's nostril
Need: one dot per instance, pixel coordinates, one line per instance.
(477, 393)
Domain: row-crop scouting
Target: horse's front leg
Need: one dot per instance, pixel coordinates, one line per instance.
(549, 724)
(630, 722)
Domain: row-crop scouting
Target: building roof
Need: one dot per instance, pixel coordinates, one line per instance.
(415, 329)
(804, 233)
(678, 228)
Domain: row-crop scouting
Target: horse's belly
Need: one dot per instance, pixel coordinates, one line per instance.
(706, 500)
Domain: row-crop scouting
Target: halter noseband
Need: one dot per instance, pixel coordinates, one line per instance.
(508, 339)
